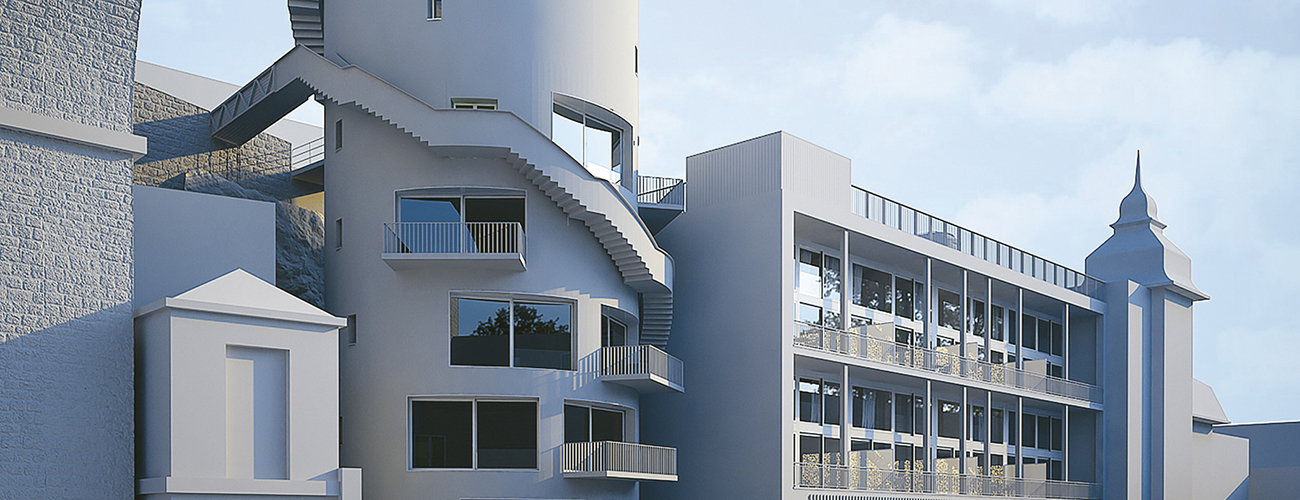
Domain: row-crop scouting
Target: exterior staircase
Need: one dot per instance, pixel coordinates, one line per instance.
(306, 17)
(302, 73)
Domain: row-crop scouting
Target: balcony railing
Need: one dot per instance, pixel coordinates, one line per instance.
(453, 237)
(876, 343)
(661, 190)
(918, 223)
(643, 367)
(615, 460)
(839, 477)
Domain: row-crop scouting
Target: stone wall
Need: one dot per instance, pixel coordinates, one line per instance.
(66, 336)
(180, 141)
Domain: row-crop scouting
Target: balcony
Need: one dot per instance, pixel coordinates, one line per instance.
(645, 368)
(491, 245)
(876, 343)
(615, 460)
(659, 200)
(841, 478)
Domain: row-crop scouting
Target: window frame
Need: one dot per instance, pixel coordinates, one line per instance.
(626, 412)
(474, 428)
(434, 12)
(475, 103)
(511, 298)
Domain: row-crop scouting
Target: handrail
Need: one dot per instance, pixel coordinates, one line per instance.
(881, 347)
(661, 190)
(910, 220)
(840, 477)
(641, 360)
(614, 456)
(454, 237)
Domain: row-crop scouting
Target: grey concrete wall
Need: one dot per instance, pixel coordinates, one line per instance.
(66, 407)
(184, 239)
(180, 142)
(1220, 464)
(1274, 463)
(403, 317)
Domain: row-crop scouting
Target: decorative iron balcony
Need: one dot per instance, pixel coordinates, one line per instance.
(477, 244)
(876, 343)
(839, 477)
(645, 368)
(615, 460)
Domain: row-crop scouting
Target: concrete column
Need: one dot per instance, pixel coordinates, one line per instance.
(929, 425)
(988, 431)
(963, 310)
(965, 428)
(846, 412)
(1065, 444)
(1020, 435)
(1020, 336)
(988, 323)
(846, 277)
(929, 305)
(1065, 350)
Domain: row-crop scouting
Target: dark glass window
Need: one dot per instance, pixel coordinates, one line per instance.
(996, 426)
(583, 424)
(1011, 427)
(1028, 425)
(1058, 339)
(831, 405)
(1058, 436)
(875, 289)
(949, 310)
(950, 419)
(918, 426)
(480, 332)
(976, 423)
(441, 435)
(996, 357)
(920, 300)
(1055, 370)
(543, 337)
(577, 424)
(810, 314)
(903, 457)
(1055, 470)
(1044, 432)
(1013, 333)
(903, 292)
(810, 400)
(831, 278)
(507, 435)
(1044, 335)
(612, 332)
(1030, 334)
(905, 336)
(975, 318)
(997, 323)
(810, 450)
(903, 409)
(871, 408)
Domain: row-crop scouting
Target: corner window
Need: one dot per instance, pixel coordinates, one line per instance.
(584, 423)
(594, 136)
(509, 332)
(471, 103)
(473, 434)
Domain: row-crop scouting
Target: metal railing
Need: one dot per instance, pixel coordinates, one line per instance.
(661, 190)
(308, 153)
(453, 237)
(613, 456)
(640, 360)
(918, 223)
(839, 477)
(875, 343)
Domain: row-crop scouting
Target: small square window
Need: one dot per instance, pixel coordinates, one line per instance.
(435, 10)
(471, 103)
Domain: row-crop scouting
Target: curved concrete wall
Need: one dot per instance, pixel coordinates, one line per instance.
(516, 51)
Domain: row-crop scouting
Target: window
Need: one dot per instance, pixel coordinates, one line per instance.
(338, 234)
(919, 301)
(595, 143)
(996, 426)
(1055, 370)
(589, 423)
(809, 314)
(995, 357)
(997, 323)
(1058, 434)
(1044, 432)
(831, 278)
(1044, 336)
(949, 310)
(435, 10)
(975, 320)
(1012, 332)
(1058, 340)
(510, 332)
(976, 432)
(874, 289)
(1011, 428)
(460, 223)
(831, 403)
(1030, 333)
(1028, 427)
(473, 434)
(808, 279)
(473, 103)
(905, 336)
(904, 414)
(810, 400)
(612, 332)
(950, 419)
(338, 135)
(904, 290)
(871, 409)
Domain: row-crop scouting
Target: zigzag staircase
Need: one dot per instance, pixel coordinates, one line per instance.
(302, 73)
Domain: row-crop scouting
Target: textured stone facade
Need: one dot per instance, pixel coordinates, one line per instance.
(69, 59)
(180, 141)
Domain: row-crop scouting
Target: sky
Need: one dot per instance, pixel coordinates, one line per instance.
(1018, 119)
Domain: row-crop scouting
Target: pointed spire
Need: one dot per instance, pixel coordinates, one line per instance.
(1138, 206)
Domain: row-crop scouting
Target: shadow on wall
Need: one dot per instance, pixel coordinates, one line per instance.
(66, 409)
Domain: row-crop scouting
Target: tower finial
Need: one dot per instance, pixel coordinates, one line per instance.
(1137, 177)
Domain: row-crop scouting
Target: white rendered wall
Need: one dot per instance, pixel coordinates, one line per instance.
(403, 332)
(185, 239)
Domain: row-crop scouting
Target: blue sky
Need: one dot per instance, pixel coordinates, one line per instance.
(1018, 119)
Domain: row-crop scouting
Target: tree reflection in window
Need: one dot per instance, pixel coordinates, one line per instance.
(483, 329)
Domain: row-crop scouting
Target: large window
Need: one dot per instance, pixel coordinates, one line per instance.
(584, 423)
(871, 409)
(810, 400)
(473, 434)
(904, 290)
(975, 319)
(949, 310)
(612, 332)
(459, 223)
(511, 332)
(950, 419)
(808, 277)
(595, 143)
(996, 324)
(874, 289)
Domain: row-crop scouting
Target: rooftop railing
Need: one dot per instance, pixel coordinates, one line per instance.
(454, 238)
(840, 477)
(308, 153)
(918, 223)
(613, 459)
(661, 190)
(876, 343)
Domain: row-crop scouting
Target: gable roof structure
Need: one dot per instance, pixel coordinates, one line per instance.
(239, 293)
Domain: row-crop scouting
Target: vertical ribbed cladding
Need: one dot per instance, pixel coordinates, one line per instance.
(519, 52)
(306, 19)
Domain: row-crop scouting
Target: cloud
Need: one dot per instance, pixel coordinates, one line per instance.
(1062, 11)
(905, 59)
